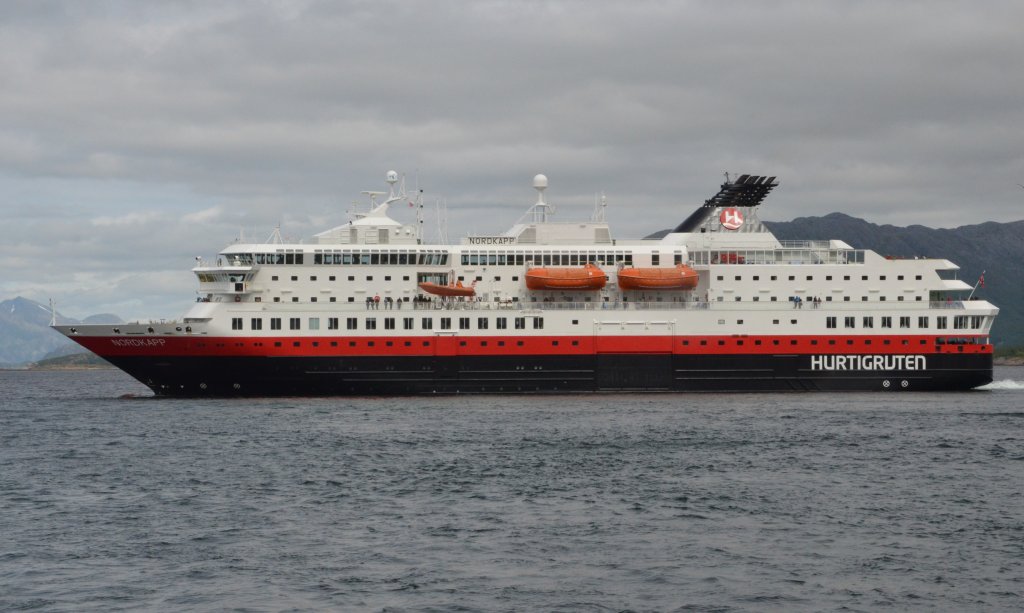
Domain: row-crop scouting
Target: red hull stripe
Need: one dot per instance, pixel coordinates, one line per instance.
(448, 345)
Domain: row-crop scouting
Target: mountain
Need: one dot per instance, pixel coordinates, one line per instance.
(997, 249)
(25, 334)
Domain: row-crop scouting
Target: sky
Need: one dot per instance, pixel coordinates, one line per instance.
(135, 136)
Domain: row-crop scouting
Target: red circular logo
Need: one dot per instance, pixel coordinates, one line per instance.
(731, 219)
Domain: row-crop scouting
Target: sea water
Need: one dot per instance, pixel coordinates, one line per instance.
(111, 499)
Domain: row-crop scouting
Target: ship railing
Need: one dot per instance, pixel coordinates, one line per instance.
(780, 306)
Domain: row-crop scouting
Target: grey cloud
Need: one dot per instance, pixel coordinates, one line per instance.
(281, 112)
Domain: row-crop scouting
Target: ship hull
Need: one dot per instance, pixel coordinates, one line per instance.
(612, 372)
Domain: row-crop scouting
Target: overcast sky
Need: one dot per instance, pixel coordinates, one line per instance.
(135, 136)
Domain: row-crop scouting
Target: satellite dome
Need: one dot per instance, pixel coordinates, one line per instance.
(540, 182)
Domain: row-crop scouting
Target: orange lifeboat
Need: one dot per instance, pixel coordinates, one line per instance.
(452, 289)
(587, 277)
(680, 277)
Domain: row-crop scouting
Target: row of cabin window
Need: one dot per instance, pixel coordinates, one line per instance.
(960, 322)
(373, 258)
(559, 258)
(408, 323)
(811, 277)
(333, 278)
(827, 299)
(386, 278)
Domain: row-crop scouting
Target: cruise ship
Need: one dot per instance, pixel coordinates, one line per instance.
(718, 304)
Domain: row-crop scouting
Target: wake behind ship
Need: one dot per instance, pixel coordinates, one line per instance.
(718, 304)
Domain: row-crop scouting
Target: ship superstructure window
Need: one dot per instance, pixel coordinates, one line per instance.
(463, 323)
(294, 323)
(352, 323)
(868, 322)
(446, 323)
(886, 322)
(256, 323)
(851, 322)
(236, 323)
(830, 322)
(904, 322)
(389, 323)
(314, 323)
(332, 323)
(481, 323)
(520, 323)
(275, 323)
(922, 322)
(501, 323)
(427, 323)
(941, 322)
(371, 323)
(407, 323)
(538, 323)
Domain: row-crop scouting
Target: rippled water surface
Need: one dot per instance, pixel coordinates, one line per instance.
(735, 502)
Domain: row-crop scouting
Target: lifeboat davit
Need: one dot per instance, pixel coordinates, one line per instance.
(587, 277)
(680, 277)
(452, 289)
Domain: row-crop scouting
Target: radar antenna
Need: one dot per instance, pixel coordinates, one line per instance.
(600, 205)
(541, 209)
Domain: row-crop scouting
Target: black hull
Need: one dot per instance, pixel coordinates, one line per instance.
(393, 375)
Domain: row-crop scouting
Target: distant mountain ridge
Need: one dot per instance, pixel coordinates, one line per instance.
(997, 249)
(25, 334)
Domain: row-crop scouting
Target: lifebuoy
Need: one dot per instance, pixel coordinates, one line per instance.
(238, 298)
